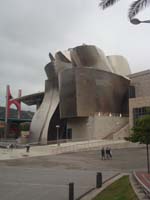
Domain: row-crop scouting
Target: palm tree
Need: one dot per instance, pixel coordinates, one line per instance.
(134, 9)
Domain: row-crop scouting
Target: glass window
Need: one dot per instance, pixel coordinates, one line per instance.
(139, 112)
(131, 92)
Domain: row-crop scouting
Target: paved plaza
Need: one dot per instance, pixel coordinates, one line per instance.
(47, 177)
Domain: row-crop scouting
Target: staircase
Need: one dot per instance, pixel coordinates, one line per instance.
(119, 134)
(139, 188)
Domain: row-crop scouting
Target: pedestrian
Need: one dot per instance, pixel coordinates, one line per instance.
(103, 153)
(27, 148)
(110, 153)
(107, 152)
(11, 147)
(8, 147)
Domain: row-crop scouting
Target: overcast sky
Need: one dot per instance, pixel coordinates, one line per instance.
(30, 29)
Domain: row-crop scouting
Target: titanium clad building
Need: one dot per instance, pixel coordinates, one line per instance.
(87, 96)
(82, 83)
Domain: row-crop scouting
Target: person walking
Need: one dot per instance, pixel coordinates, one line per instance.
(103, 153)
(110, 153)
(107, 152)
(27, 148)
(8, 147)
(11, 147)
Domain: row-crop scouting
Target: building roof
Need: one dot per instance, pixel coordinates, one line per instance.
(142, 73)
(32, 99)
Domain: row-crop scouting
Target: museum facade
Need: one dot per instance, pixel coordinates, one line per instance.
(88, 96)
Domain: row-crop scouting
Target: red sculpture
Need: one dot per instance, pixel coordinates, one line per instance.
(10, 101)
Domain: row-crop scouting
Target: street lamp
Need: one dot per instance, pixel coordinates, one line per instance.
(136, 21)
(57, 127)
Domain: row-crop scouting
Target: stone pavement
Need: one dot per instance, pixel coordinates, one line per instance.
(43, 150)
(44, 172)
(36, 183)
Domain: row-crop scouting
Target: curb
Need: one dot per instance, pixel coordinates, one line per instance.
(92, 194)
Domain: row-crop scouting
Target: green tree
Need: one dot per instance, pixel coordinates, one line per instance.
(134, 8)
(24, 126)
(141, 134)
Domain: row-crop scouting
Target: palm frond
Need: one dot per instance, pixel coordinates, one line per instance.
(106, 3)
(136, 7)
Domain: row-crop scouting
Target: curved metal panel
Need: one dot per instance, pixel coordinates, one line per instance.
(61, 62)
(119, 65)
(91, 91)
(89, 56)
(41, 119)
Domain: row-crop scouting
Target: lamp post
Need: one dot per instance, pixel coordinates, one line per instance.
(136, 21)
(57, 127)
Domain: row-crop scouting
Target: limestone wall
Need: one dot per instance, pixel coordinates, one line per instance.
(122, 133)
(141, 82)
(96, 127)
(137, 103)
(105, 125)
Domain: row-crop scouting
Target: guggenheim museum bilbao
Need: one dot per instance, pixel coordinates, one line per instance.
(88, 95)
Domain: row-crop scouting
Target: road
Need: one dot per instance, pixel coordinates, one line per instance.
(47, 177)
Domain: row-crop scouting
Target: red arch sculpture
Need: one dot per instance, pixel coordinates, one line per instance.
(10, 101)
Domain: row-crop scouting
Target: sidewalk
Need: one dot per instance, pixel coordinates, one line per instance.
(54, 149)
